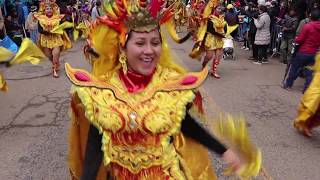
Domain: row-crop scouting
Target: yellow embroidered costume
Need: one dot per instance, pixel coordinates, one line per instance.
(140, 131)
(213, 42)
(180, 15)
(55, 37)
(136, 146)
(309, 111)
(49, 23)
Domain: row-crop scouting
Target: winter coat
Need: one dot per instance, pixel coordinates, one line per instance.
(291, 23)
(262, 24)
(309, 37)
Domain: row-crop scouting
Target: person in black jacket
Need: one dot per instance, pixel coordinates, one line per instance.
(252, 13)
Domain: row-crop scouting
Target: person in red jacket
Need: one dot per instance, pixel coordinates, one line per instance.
(309, 43)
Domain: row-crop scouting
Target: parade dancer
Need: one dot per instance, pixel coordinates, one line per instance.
(49, 19)
(309, 108)
(132, 117)
(195, 12)
(179, 14)
(213, 41)
(210, 36)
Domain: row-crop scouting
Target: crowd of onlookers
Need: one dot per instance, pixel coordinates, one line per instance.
(273, 27)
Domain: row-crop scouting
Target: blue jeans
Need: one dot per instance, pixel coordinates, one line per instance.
(299, 62)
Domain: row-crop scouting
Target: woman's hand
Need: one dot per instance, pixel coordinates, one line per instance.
(232, 159)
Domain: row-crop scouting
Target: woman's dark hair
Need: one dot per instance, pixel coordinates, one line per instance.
(263, 8)
(315, 15)
(98, 3)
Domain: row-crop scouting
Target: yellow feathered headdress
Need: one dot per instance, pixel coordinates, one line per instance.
(52, 3)
(109, 32)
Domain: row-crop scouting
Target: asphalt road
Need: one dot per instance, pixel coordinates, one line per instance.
(34, 116)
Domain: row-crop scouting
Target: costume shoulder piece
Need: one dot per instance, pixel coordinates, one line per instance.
(180, 82)
(42, 17)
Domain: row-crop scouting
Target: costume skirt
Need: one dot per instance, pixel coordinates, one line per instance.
(213, 42)
(51, 41)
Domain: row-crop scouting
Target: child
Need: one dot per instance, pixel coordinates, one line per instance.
(245, 33)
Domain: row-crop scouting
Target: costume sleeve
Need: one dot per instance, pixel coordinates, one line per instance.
(93, 155)
(41, 30)
(192, 129)
(210, 27)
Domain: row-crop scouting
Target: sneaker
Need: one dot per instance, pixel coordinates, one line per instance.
(243, 47)
(265, 61)
(257, 62)
(246, 49)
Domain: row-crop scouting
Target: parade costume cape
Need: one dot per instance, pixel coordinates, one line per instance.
(136, 127)
(83, 28)
(308, 110)
(28, 52)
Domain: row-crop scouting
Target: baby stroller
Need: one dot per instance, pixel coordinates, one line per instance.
(228, 48)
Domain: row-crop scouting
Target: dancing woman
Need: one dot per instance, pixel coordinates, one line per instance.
(133, 117)
(49, 18)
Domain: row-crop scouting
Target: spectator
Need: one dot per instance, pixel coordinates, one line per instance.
(20, 12)
(96, 11)
(232, 19)
(314, 5)
(303, 22)
(13, 29)
(32, 24)
(263, 36)
(261, 2)
(252, 13)
(283, 10)
(273, 13)
(290, 24)
(300, 6)
(1, 25)
(245, 30)
(309, 43)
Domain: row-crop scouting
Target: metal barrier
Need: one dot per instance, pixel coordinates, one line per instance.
(276, 37)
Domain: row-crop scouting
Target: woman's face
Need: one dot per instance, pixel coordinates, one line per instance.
(219, 9)
(49, 11)
(143, 51)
